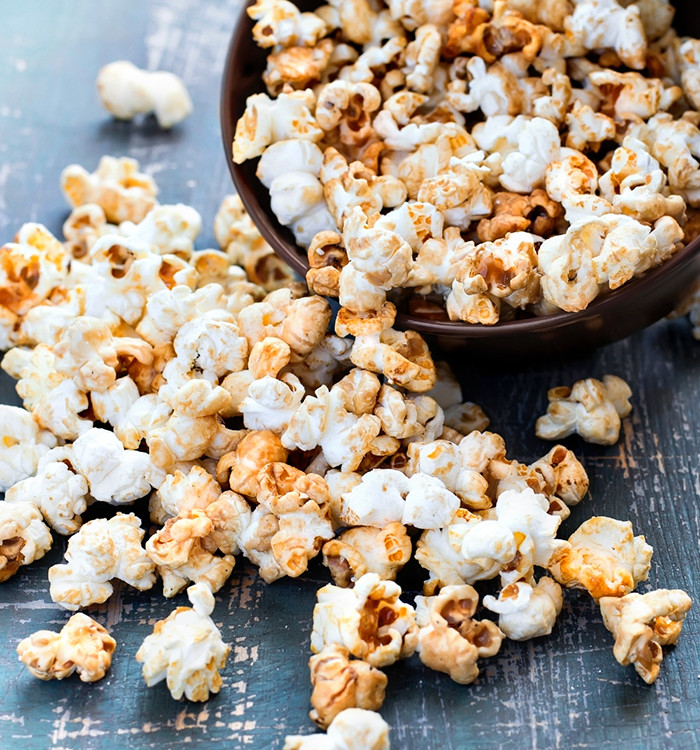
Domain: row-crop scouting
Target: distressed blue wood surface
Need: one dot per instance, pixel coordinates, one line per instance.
(564, 691)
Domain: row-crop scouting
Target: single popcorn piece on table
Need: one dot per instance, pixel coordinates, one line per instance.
(591, 408)
(365, 549)
(117, 186)
(449, 639)
(186, 649)
(82, 645)
(352, 729)
(604, 557)
(24, 537)
(369, 620)
(340, 682)
(527, 610)
(22, 444)
(127, 91)
(642, 624)
(102, 550)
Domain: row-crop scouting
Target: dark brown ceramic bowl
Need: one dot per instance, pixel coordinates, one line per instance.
(636, 305)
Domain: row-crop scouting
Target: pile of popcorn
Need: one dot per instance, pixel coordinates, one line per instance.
(251, 430)
(477, 159)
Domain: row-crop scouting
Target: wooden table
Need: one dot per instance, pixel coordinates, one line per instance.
(564, 691)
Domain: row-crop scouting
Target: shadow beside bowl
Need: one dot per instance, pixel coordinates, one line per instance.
(637, 304)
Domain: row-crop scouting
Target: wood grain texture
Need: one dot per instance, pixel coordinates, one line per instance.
(564, 691)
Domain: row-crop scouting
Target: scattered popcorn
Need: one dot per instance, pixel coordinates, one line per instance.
(526, 610)
(351, 729)
(604, 558)
(642, 624)
(82, 645)
(23, 537)
(591, 408)
(449, 639)
(117, 186)
(22, 444)
(186, 649)
(340, 683)
(102, 549)
(127, 91)
(369, 620)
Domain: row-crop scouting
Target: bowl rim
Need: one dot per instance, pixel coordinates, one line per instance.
(604, 306)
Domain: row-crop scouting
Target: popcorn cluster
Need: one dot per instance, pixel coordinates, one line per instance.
(249, 429)
(476, 160)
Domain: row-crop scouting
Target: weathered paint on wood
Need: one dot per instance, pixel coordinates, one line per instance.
(565, 691)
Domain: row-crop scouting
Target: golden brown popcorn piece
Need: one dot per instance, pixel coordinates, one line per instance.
(299, 67)
(82, 645)
(402, 357)
(340, 682)
(365, 549)
(450, 640)
(469, 18)
(350, 323)
(505, 33)
(536, 213)
(326, 256)
(178, 551)
(268, 357)
(642, 624)
(603, 557)
(282, 487)
(348, 107)
(241, 466)
(117, 186)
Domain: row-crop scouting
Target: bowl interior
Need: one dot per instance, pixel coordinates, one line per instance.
(635, 305)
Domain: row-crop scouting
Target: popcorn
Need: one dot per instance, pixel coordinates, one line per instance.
(340, 683)
(348, 107)
(562, 475)
(298, 67)
(601, 24)
(591, 408)
(369, 620)
(271, 404)
(642, 624)
(266, 121)
(526, 610)
(23, 537)
(180, 555)
(85, 224)
(635, 96)
(365, 549)
(280, 24)
(604, 558)
(449, 639)
(22, 444)
(186, 649)
(114, 475)
(385, 496)
(402, 357)
(241, 466)
(102, 549)
(127, 91)
(58, 492)
(535, 213)
(82, 645)
(352, 729)
(117, 186)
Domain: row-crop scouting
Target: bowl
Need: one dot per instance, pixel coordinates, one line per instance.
(637, 304)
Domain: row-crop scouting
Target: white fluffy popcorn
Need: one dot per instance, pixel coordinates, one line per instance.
(115, 475)
(127, 91)
(351, 729)
(591, 408)
(369, 620)
(281, 24)
(526, 610)
(102, 550)
(58, 492)
(23, 537)
(186, 649)
(386, 495)
(22, 444)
